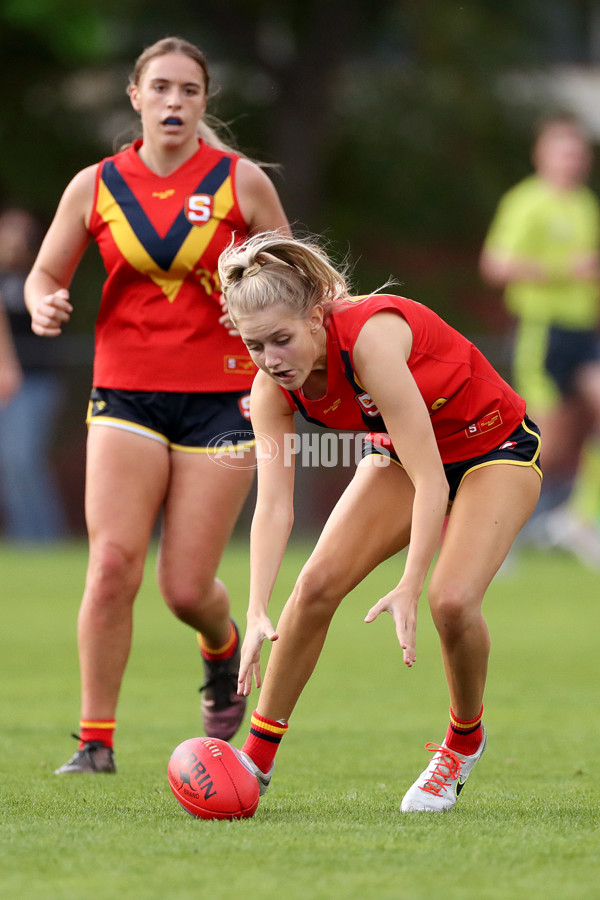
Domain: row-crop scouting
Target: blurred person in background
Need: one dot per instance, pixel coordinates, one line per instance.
(31, 390)
(542, 249)
(170, 376)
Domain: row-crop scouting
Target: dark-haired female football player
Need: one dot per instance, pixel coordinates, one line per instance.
(449, 429)
(169, 376)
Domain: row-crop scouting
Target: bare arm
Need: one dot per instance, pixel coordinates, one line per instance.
(273, 517)
(499, 269)
(11, 375)
(380, 357)
(46, 288)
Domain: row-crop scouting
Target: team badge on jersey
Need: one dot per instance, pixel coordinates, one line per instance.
(244, 406)
(237, 364)
(437, 404)
(198, 208)
(492, 420)
(367, 404)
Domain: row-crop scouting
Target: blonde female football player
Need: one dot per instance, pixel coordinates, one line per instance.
(169, 377)
(450, 430)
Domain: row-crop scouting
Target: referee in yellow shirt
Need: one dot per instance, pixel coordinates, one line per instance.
(542, 248)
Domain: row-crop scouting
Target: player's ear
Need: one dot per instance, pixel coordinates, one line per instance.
(134, 98)
(317, 315)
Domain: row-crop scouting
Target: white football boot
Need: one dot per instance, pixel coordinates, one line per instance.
(437, 788)
(263, 779)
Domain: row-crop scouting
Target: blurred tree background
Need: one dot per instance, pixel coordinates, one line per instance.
(395, 126)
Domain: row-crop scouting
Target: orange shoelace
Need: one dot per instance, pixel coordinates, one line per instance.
(446, 770)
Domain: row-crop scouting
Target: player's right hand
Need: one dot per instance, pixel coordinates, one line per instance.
(258, 630)
(51, 313)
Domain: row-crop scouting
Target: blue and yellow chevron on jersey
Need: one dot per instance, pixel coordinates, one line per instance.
(167, 259)
(160, 238)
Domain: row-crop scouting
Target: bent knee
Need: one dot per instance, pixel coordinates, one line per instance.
(316, 590)
(112, 568)
(453, 605)
(184, 595)
(184, 603)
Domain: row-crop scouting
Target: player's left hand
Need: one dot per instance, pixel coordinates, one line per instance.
(225, 321)
(402, 606)
(585, 267)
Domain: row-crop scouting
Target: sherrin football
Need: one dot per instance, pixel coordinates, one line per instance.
(210, 781)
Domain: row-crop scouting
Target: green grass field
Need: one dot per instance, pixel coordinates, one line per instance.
(527, 824)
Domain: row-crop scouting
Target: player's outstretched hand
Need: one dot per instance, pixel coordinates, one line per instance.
(402, 606)
(51, 313)
(257, 631)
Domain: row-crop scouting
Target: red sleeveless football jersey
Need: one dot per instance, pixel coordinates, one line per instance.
(160, 239)
(472, 408)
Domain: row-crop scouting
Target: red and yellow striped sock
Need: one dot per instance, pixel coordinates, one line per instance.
(263, 741)
(464, 736)
(224, 652)
(97, 730)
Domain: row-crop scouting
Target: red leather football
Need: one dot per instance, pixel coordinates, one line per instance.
(210, 781)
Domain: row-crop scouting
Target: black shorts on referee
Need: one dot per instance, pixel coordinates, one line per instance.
(566, 354)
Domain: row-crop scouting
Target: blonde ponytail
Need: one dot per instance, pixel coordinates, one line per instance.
(272, 268)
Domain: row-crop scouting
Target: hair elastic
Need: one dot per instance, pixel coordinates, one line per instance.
(251, 270)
